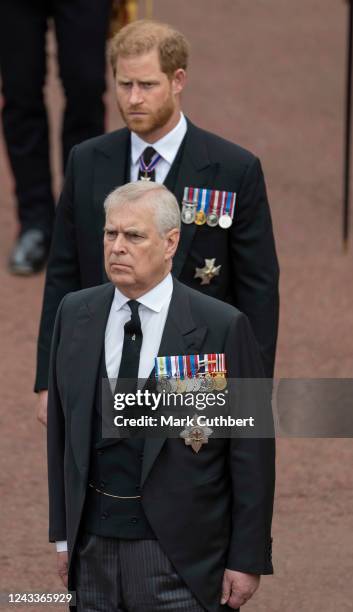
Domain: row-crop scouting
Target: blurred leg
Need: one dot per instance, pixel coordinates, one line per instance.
(22, 61)
(81, 29)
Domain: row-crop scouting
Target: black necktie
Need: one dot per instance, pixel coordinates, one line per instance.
(145, 161)
(130, 356)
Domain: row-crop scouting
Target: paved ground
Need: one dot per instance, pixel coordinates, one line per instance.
(269, 75)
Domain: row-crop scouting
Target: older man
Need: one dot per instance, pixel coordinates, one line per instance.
(226, 248)
(151, 524)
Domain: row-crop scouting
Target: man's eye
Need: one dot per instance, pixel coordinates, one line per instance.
(110, 234)
(147, 85)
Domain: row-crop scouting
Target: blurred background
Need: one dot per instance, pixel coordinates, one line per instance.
(269, 75)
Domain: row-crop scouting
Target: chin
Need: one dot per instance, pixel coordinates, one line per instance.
(140, 126)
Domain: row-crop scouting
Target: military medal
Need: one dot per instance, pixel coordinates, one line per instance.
(200, 218)
(148, 169)
(225, 221)
(212, 217)
(202, 196)
(163, 384)
(208, 272)
(181, 385)
(219, 372)
(219, 381)
(227, 211)
(188, 210)
(196, 436)
(188, 213)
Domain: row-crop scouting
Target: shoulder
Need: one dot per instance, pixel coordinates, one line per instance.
(106, 143)
(221, 148)
(74, 300)
(208, 310)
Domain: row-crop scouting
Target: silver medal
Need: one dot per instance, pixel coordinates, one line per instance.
(212, 219)
(188, 214)
(225, 221)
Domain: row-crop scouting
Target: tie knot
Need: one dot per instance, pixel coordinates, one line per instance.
(148, 154)
(134, 325)
(134, 307)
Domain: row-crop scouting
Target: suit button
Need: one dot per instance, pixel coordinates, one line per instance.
(134, 520)
(104, 516)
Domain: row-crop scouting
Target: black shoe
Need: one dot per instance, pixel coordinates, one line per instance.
(30, 253)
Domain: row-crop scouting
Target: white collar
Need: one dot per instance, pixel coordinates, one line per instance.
(167, 146)
(154, 299)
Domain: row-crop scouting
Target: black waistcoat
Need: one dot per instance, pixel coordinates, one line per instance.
(115, 468)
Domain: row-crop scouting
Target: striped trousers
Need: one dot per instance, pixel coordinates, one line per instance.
(116, 575)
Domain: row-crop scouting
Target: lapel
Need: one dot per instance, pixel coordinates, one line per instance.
(196, 170)
(86, 346)
(111, 169)
(181, 336)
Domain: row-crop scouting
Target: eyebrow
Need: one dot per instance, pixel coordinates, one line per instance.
(127, 229)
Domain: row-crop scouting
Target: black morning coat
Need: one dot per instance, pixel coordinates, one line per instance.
(249, 273)
(209, 510)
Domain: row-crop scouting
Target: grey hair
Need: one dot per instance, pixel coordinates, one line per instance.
(165, 205)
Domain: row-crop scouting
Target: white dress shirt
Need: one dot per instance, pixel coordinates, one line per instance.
(167, 147)
(153, 311)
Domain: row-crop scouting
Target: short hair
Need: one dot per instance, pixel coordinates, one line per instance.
(164, 203)
(144, 35)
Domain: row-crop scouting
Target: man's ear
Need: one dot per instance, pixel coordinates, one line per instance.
(178, 81)
(171, 242)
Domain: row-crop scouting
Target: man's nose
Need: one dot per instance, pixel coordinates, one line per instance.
(119, 244)
(135, 95)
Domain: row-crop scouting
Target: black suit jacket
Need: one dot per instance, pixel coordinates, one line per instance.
(249, 275)
(209, 510)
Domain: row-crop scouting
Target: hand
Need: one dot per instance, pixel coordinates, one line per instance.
(238, 587)
(42, 404)
(62, 563)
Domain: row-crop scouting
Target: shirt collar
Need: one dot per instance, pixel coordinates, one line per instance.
(167, 146)
(154, 299)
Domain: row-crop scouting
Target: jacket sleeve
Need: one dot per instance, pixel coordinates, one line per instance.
(63, 273)
(254, 262)
(56, 444)
(252, 460)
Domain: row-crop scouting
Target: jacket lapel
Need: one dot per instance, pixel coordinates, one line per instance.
(85, 349)
(196, 170)
(181, 336)
(111, 169)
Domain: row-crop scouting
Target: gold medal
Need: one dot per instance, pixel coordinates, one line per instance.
(181, 385)
(200, 218)
(219, 381)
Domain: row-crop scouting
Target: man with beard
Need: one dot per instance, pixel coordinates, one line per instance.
(226, 248)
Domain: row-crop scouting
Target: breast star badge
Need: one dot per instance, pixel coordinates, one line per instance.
(196, 436)
(208, 272)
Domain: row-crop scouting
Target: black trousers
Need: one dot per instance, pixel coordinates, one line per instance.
(81, 27)
(113, 575)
